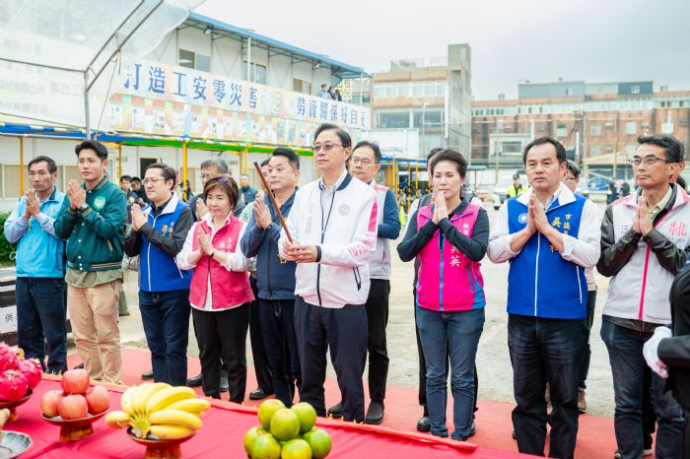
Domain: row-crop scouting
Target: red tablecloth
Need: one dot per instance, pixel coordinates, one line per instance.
(222, 434)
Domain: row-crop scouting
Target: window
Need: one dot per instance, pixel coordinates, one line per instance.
(595, 150)
(301, 86)
(258, 72)
(631, 128)
(193, 60)
(561, 131)
(392, 119)
(514, 147)
(634, 90)
(596, 129)
(432, 119)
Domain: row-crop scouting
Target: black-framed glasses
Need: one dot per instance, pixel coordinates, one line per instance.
(326, 147)
(647, 160)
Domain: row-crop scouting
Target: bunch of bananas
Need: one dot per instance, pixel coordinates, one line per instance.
(167, 412)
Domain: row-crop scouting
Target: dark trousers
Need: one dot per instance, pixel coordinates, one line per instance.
(377, 320)
(686, 433)
(166, 324)
(583, 368)
(422, 370)
(625, 346)
(223, 334)
(41, 317)
(278, 327)
(541, 351)
(344, 332)
(262, 368)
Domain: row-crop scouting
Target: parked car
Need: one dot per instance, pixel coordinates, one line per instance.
(501, 189)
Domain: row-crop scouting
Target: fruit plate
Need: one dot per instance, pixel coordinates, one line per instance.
(160, 449)
(12, 406)
(74, 429)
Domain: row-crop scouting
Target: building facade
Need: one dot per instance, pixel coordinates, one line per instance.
(598, 123)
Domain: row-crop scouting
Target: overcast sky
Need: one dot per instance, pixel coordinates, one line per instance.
(512, 40)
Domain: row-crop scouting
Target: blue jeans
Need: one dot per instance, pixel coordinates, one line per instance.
(627, 365)
(541, 351)
(166, 325)
(41, 317)
(458, 333)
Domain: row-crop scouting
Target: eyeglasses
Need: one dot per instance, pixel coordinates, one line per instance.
(151, 181)
(570, 179)
(325, 147)
(648, 160)
(362, 161)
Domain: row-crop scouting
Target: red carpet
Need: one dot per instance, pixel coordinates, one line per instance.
(596, 437)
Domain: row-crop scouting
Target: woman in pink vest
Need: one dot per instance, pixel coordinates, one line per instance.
(219, 292)
(450, 238)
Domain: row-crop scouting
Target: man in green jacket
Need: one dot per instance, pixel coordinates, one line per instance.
(92, 219)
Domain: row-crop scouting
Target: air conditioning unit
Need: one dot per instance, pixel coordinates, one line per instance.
(609, 124)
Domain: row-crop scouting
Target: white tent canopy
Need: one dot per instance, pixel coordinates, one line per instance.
(58, 58)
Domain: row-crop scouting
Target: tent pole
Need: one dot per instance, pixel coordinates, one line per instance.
(21, 166)
(87, 121)
(184, 170)
(119, 160)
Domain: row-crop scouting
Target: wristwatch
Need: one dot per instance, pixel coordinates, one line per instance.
(84, 206)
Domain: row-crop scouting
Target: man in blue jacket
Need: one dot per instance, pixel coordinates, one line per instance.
(276, 276)
(550, 236)
(40, 268)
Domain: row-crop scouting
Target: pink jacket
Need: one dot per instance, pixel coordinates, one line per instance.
(229, 288)
(448, 280)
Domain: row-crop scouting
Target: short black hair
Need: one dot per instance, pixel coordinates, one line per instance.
(452, 156)
(126, 177)
(573, 168)
(432, 152)
(374, 147)
(345, 138)
(288, 153)
(264, 162)
(135, 179)
(561, 155)
(52, 167)
(100, 149)
(516, 176)
(675, 150)
(167, 172)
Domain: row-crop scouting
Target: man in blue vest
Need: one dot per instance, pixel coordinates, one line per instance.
(40, 268)
(550, 236)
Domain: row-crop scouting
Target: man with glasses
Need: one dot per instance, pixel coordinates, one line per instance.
(645, 242)
(364, 165)
(333, 224)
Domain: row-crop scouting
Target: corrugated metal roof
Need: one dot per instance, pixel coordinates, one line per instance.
(338, 68)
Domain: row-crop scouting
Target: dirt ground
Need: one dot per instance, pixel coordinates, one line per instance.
(493, 362)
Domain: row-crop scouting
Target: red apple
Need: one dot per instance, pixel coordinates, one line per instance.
(49, 403)
(75, 381)
(98, 400)
(73, 407)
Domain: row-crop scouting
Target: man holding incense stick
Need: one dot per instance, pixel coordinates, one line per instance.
(275, 276)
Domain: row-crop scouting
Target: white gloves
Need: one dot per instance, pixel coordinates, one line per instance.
(651, 351)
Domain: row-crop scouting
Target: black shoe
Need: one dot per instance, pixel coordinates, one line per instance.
(259, 394)
(336, 411)
(148, 375)
(194, 381)
(473, 429)
(224, 386)
(424, 424)
(79, 367)
(374, 413)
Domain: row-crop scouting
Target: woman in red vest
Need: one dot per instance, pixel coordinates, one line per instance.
(219, 292)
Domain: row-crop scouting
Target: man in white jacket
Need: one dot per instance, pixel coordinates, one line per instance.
(645, 241)
(333, 225)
